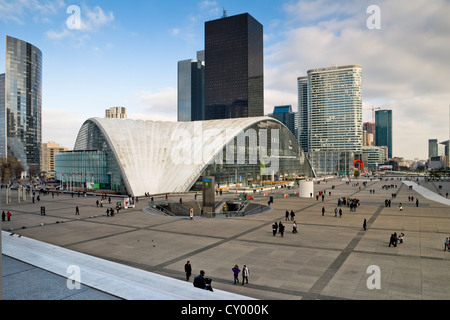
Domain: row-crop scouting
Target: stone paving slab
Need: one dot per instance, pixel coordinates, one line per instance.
(327, 259)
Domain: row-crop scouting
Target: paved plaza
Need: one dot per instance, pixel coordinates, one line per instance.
(330, 257)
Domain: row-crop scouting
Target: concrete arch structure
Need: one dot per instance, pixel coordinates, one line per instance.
(165, 157)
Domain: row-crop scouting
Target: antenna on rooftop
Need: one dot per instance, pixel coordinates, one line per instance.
(224, 15)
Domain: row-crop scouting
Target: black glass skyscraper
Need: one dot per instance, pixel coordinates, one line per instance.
(234, 68)
(383, 129)
(21, 114)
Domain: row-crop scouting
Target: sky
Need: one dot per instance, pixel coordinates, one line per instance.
(125, 53)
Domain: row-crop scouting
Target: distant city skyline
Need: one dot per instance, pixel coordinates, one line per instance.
(126, 53)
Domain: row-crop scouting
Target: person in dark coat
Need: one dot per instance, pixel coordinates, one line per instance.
(199, 281)
(274, 228)
(281, 228)
(188, 270)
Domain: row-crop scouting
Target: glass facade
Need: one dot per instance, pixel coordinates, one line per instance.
(302, 129)
(285, 115)
(331, 162)
(191, 81)
(91, 138)
(234, 68)
(3, 150)
(23, 103)
(335, 109)
(266, 151)
(383, 129)
(82, 170)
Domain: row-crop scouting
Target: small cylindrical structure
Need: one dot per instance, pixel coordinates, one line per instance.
(306, 189)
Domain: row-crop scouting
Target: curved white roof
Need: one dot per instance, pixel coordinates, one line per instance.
(166, 157)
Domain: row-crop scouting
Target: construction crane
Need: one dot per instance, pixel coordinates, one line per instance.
(373, 112)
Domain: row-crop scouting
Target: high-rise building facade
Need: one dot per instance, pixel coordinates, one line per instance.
(433, 148)
(383, 129)
(302, 115)
(368, 134)
(191, 83)
(234, 68)
(116, 113)
(285, 115)
(48, 152)
(335, 109)
(3, 150)
(23, 102)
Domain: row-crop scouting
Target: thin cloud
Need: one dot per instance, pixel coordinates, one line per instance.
(19, 11)
(91, 21)
(162, 102)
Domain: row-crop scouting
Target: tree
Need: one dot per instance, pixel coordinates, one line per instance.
(10, 168)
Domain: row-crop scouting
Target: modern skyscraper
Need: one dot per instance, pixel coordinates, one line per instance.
(335, 109)
(302, 116)
(285, 115)
(3, 150)
(368, 134)
(383, 129)
(191, 83)
(433, 148)
(234, 68)
(23, 102)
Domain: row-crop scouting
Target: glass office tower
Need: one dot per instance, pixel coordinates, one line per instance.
(3, 151)
(335, 109)
(302, 122)
(234, 68)
(383, 129)
(191, 82)
(23, 102)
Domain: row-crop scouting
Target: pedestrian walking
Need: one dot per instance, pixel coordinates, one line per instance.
(323, 211)
(97, 202)
(292, 215)
(446, 243)
(281, 229)
(417, 202)
(365, 224)
(335, 212)
(340, 213)
(3, 216)
(8, 215)
(286, 217)
(294, 227)
(77, 211)
(274, 228)
(236, 272)
(188, 270)
(400, 207)
(245, 274)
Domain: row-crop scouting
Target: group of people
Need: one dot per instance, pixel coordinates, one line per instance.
(279, 228)
(245, 274)
(200, 281)
(6, 215)
(396, 239)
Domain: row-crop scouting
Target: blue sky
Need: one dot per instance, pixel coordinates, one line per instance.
(126, 54)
